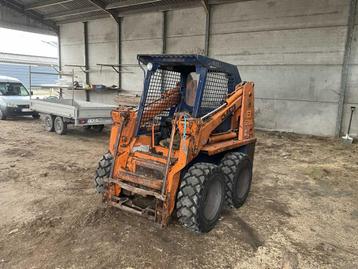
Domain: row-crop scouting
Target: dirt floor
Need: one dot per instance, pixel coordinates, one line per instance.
(302, 211)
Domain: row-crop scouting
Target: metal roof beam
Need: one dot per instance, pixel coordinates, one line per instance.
(102, 5)
(30, 14)
(130, 3)
(81, 18)
(218, 2)
(167, 7)
(73, 12)
(205, 4)
(48, 3)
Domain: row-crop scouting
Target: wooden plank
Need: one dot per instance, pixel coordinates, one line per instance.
(141, 180)
(135, 189)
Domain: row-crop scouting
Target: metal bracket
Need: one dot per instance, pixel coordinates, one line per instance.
(117, 67)
(82, 67)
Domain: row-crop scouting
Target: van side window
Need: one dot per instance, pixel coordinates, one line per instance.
(13, 89)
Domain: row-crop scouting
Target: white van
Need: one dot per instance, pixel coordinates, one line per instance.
(14, 99)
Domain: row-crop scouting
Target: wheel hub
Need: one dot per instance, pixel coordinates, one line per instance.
(213, 200)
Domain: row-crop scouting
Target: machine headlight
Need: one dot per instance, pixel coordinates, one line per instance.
(11, 105)
(150, 66)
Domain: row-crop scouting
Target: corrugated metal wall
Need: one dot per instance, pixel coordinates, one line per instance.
(21, 72)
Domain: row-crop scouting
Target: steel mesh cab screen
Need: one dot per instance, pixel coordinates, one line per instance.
(215, 92)
(160, 82)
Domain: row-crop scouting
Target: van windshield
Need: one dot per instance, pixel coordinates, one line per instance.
(13, 89)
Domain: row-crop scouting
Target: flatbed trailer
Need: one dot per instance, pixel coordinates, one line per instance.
(58, 113)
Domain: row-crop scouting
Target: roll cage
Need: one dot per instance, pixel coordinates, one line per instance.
(170, 72)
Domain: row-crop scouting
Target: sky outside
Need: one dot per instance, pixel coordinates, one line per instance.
(20, 42)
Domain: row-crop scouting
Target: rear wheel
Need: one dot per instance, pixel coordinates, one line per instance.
(200, 197)
(237, 168)
(49, 123)
(60, 126)
(103, 171)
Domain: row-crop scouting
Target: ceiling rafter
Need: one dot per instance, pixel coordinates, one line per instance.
(102, 5)
(130, 3)
(94, 9)
(205, 4)
(44, 4)
(73, 12)
(20, 8)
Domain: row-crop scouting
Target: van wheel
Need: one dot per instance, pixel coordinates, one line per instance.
(60, 126)
(2, 115)
(201, 197)
(48, 123)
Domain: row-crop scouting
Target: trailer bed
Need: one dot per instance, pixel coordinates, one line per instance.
(80, 113)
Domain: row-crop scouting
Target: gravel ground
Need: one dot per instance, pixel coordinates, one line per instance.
(302, 211)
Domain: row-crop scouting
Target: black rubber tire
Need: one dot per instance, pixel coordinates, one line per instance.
(103, 170)
(237, 168)
(98, 128)
(60, 126)
(36, 116)
(49, 123)
(195, 188)
(3, 115)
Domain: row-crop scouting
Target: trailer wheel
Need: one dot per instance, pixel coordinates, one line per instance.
(200, 197)
(237, 168)
(60, 126)
(98, 128)
(49, 123)
(3, 115)
(103, 171)
(36, 116)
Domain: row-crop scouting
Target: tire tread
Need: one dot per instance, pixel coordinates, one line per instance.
(189, 194)
(228, 166)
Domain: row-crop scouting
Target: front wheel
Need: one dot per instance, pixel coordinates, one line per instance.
(49, 123)
(201, 197)
(103, 171)
(60, 126)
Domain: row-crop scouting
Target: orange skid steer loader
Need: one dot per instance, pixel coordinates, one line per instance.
(188, 147)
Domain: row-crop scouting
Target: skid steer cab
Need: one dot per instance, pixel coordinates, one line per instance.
(189, 146)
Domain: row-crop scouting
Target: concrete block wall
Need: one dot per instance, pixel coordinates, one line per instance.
(102, 49)
(293, 50)
(72, 52)
(140, 34)
(186, 31)
(352, 91)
